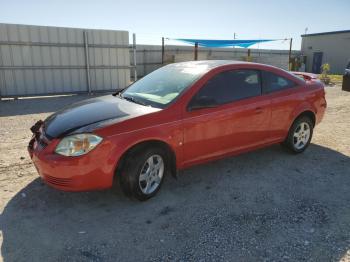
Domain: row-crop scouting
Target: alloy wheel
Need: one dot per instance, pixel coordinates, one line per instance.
(301, 135)
(151, 174)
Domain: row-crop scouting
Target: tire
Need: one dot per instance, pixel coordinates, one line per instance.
(299, 135)
(143, 173)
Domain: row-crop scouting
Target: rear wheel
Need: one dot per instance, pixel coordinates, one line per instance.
(143, 173)
(299, 135)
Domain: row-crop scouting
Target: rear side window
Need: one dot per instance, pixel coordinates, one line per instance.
(273, 82)
(232, 85)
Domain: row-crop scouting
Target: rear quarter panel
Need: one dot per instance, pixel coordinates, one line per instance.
(312, 98)
(287, 105)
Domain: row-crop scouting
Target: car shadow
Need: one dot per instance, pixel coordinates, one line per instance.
(38, 105)
(263, 205)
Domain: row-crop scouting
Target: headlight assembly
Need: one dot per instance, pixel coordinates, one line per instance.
(77, 145)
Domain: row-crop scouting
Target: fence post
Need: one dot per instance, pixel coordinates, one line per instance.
(134, 49)
(144, 62)
(2, 76)
(196, 51)
(290, 54)
(87, 60)
(163, 51)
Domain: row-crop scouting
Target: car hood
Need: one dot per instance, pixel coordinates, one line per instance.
(87, 115)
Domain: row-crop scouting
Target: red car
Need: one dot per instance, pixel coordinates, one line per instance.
(177, 116)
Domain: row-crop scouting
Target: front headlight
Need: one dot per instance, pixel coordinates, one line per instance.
(77, 145)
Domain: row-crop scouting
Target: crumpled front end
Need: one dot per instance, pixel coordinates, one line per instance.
(91, 171)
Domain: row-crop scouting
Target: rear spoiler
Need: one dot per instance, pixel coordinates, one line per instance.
(306, 76)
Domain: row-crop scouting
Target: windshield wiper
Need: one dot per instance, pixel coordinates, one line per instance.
(132, 99)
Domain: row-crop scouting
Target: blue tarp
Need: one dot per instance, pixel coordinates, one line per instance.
(223, 43)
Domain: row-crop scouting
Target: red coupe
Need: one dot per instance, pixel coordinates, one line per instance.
(177, 116)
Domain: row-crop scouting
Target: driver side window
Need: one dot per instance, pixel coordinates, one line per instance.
(230, 86)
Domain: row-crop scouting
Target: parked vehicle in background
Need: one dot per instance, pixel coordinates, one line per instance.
(180, 115)
(346, 78)
(347, 69)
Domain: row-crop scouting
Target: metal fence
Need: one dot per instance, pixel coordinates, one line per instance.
(40, 60)
(149, 57)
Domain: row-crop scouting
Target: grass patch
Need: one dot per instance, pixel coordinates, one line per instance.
(337, 79)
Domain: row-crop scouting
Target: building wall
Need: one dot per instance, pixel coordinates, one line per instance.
(52, 60)
(149, 57)
(335, 48)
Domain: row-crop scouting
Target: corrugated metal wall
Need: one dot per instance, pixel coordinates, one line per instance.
(40, 60)
(52, 60)
(149, 57)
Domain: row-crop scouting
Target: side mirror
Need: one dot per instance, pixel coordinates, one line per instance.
(202, 102)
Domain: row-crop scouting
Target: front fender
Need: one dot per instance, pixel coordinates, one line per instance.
(170, 134)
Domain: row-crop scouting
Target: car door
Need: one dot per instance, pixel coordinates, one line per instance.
(227, 114)
(283, 94)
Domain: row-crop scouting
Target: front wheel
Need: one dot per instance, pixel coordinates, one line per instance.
(299, 135)
(143, 173)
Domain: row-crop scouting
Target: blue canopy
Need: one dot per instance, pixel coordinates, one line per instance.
(223, 43)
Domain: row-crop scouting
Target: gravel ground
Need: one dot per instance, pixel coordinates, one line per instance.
(265, 205)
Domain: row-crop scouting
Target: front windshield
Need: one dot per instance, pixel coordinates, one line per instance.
(161, 87)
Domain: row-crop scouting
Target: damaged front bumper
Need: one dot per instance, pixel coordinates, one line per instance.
(81, 173)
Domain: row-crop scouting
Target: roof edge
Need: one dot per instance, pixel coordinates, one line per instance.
(326, 33)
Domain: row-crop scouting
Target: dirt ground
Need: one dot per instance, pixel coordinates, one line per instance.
(265, 205)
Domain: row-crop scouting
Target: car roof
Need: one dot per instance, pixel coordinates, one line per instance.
(210, 63)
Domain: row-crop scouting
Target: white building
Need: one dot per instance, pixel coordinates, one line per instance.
(328, 47)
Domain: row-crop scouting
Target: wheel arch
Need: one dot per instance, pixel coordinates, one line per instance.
(304, 112)
(307, 113)
(288, 141)
(144, 144)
